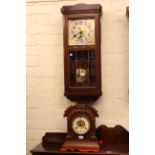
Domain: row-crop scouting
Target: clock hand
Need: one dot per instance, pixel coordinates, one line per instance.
(78, 34)
(81, 34)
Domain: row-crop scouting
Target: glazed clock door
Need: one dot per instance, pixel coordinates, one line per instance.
(82, 69)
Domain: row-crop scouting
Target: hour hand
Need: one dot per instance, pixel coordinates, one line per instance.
(78, 35)
(75, 35)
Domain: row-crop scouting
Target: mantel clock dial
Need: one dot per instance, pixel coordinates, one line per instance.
(81, 125)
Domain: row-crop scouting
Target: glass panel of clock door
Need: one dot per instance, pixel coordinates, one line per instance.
(78, 55)
(79, 74)
(92, 73)
(72, 78)
(82, 55)
(82, 74)
(92, 55)
(72, 56)
(82, 68)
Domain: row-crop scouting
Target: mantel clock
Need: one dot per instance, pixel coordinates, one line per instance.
(81, 135)
(82, 64)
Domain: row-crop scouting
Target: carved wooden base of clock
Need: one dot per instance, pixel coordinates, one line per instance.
(81, 145)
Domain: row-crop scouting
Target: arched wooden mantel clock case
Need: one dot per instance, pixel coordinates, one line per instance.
(82, 74)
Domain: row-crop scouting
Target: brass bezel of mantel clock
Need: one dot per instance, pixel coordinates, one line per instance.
(82, 64)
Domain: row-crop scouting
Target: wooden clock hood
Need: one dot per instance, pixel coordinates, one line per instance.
(82, 8)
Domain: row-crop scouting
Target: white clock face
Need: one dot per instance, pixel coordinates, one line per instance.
(81, 125)
(81, 32)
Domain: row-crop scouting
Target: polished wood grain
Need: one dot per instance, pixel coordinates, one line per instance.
(113, 135)
(107, 150)
(115, 142)
(90, 141)
(81, 8)
(82, 11)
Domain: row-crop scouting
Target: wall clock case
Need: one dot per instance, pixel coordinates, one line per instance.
(82, 64)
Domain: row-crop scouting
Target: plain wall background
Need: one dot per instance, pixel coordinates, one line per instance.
(45, 83)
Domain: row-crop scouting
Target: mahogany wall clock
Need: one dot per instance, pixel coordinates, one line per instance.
(82, 64)
(81, 135)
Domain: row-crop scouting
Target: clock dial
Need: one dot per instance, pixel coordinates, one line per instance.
(81, 125)
(81, 32)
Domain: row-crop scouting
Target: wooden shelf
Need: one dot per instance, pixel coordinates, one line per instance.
(115, 142)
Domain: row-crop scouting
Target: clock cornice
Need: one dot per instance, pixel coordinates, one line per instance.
(82, 8)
